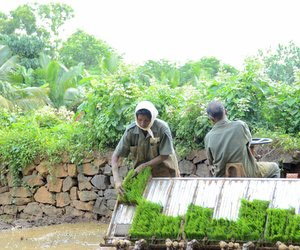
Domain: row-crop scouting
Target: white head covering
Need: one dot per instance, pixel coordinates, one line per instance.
(149, 106)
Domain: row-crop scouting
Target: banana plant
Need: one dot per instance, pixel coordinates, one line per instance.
(15, 96)
(7, 62)
(62, 82)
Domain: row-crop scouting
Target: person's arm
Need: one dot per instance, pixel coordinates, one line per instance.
(122, 150)
(117, 179)
(208, 152)
(248, 138)
(247, 133)
(154, 162)
(209, 157)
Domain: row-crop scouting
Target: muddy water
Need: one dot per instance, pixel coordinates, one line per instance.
(64, 236)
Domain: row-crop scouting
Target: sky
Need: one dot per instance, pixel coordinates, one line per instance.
(182, 30)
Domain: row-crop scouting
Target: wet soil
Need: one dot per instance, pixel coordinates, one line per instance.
(80, 235)
(47, 221)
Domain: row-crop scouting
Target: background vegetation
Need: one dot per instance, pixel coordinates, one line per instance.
(79, 95)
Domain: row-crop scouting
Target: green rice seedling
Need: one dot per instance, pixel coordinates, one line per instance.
(167, 227)
(255, 222)
(148, 221)
(252, 219)
(293, 229)
(277, 222)
(197, 221)
(134, 186)
(145, 218)
(222, 229)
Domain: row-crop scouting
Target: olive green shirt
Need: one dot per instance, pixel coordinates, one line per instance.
(145, 148)
(228, 142)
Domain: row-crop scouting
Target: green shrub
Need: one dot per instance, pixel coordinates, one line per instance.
(109, 109)
(248, 95)
(281, 141)
(46, 133)
(18, 149)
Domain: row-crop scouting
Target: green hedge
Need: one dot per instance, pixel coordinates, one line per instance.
(248, 96)
(45, 133)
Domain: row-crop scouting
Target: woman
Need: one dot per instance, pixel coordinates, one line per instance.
(149, 140)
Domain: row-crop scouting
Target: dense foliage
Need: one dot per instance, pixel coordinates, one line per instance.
(248, 96)
(44, 134)
(38, 70)
(38, 20)
(283, 63)
(85, 48)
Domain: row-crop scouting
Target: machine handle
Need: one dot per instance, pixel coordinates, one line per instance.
(256, 141)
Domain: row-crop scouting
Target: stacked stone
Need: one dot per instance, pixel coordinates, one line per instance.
(195, 164)
(291, 165)
(64, 189)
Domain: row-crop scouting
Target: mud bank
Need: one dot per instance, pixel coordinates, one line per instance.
(81, 235)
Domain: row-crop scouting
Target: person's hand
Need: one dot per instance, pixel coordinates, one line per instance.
(139, 169)
(119, 188)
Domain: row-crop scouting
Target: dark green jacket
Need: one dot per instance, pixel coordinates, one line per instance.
(228, 142)
(145, 148)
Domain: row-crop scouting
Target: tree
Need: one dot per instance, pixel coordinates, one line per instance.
(54, 16)
(62, 82)
(281, 64)
(85, 48)
(163, 71)
(43, 21)
(205, 68)
(7, 62)
(22, 19)
(11, 96)
(26, 47)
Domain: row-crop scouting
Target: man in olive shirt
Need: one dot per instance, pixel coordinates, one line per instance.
(149, 140)
(228, 142)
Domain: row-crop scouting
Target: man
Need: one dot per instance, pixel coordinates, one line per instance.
(149, 140)
(228, 142)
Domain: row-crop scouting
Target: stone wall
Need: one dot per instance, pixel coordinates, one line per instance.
(87, 190)
(66, 189)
